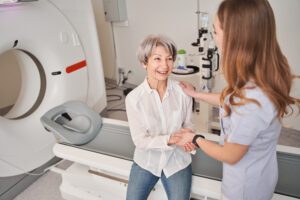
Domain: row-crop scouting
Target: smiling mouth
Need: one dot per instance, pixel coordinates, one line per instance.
(162, 72)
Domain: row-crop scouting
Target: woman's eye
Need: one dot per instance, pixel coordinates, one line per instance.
(157, 59)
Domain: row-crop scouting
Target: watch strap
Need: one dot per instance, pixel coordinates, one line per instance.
(194, 141)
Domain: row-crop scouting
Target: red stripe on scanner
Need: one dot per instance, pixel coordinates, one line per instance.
(76, 66)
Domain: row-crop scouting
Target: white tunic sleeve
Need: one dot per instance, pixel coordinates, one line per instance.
(248, 121)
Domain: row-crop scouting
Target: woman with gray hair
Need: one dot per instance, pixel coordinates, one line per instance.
(157, 109)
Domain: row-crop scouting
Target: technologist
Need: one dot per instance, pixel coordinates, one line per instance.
(252, 104)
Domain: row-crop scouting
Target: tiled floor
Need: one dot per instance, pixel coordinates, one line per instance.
(115, 103)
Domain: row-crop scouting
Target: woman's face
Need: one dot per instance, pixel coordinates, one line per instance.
(218, 33)
(159, 65)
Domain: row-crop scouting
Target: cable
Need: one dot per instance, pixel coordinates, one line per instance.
(115, 110)
(115, 106)
(114, 95)
(114, 86)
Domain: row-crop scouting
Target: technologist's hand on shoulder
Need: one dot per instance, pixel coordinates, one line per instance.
(188, 88)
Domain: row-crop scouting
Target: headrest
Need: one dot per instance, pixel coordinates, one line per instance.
(77, 123)
(72, 122)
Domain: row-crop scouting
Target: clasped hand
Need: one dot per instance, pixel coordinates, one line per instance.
(183, 138)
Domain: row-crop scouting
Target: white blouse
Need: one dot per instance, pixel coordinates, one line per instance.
(152, 121)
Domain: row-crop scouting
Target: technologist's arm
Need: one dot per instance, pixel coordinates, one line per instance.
(229, 153)
(211, 98)
(141, 138)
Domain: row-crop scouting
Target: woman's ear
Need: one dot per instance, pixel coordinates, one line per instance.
(145, 66)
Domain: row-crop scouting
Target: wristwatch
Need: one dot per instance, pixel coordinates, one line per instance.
(194, 141)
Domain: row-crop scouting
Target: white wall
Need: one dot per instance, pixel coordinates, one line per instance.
(177, 19)
(105, 37)
(288, 29)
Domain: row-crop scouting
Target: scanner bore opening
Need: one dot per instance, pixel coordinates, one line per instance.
(22, 84)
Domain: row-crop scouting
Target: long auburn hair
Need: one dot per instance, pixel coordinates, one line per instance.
(251, 52)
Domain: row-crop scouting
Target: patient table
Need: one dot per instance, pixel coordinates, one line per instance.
(102, 164)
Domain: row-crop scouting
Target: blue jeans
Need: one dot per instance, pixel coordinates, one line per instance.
(141, 182)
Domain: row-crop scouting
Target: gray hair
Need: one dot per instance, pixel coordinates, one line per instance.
(149, 44)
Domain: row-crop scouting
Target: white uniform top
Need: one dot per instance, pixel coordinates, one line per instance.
(255, 176)
(152, 121)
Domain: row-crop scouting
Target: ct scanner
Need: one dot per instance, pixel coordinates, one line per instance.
(56, 45)
(56, 42)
